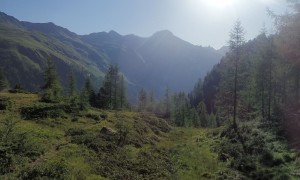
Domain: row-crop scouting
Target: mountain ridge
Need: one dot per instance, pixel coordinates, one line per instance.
(153, 62)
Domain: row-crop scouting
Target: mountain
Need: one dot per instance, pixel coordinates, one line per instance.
(153, 63)
(158, 61)
(24, 48)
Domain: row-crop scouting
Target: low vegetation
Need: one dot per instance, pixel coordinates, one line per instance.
(54, 143)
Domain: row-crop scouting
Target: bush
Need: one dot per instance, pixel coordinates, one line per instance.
(17, 89)
(5, 103)
(43, 111)
(15, 147)
(56, 169)
(103, 115)
(93, 116)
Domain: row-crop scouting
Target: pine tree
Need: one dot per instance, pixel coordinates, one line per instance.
(202, 114)
(112, 94)
(288, 42)
(51, 89)
(72, 85)
(123, 96)
(91, 93)
(142, 100)
(236, 41)
(167, 102)
(3, 80)
(84, 99)
(151, 103)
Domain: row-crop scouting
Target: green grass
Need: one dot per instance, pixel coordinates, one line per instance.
(192, 153)
(76, 149)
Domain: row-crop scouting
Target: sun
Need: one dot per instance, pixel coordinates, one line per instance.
(220, 4)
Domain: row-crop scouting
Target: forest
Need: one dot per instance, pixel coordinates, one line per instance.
(241, 121)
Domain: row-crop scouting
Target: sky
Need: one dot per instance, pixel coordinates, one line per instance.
(200, 22)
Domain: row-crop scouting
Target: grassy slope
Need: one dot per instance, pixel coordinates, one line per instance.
(25, 52)
(71, 146)
(149, 152)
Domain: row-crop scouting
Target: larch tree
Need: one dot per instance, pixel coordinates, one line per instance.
(123, 97)
(51, 88)
(93, 100)
(72, 85)
(167, 102)
(288, 27)
(236, 42)
(142, 100)
(113, 90)
(3, 80)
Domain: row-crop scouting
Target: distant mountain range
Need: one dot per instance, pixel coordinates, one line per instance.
(152, 63)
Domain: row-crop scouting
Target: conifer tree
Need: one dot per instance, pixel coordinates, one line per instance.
(51, 88)
(91, 93)
(123, 97)
(3, 80)
(142, 100)
(288, 42)
(236, 41)
(84, 99)
(167, 102)
(202, 114)
(112, 94)
(72, 85)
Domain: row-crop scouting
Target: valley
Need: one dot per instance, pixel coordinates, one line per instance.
(109, 106)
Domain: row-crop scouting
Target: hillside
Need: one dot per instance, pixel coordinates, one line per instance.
(40, 141)
(154, 63)
(47, 140)
(25, 47)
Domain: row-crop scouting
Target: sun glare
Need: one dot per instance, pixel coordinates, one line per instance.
(221, 4)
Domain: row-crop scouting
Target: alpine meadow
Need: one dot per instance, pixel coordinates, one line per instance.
(195, 89)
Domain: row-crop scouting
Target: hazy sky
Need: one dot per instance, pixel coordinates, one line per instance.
(201, 22)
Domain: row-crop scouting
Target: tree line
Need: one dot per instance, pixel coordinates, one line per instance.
(178, 108)
(112, 95)
(256, 79)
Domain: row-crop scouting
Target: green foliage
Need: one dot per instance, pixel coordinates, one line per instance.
(132, 145)
(142, 100)
(261, 159)
(93, 99)
(112, 94)
(103, 115)
(53, 169)
(15, 147)
(51, 88)
(196, 95)
(17, 89)
(3, 80)
(42, 111)
(5, 103)
(201, 108)
(84, 100)
(72, 85)
(95, 117)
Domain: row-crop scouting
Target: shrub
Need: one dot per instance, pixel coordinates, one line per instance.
(103, 115)
(15, 147)
(43, 111)
(55, 169)
(5, 103)
(93, 116)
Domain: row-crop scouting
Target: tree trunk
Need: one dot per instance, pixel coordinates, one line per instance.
(263, 99)
(284, 88)
(270, 90)
(235, 94)
(297, 84)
